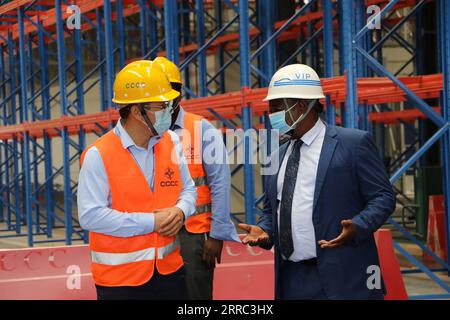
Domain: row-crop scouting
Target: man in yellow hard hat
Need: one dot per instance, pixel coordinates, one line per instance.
(204, 232)
(132, 198)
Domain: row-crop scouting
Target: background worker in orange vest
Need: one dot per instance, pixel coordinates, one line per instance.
(203, 234)
(132, 198)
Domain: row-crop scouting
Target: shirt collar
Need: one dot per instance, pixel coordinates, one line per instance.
(179, 123)
(312, 134)
(123, 135)
(127, 141)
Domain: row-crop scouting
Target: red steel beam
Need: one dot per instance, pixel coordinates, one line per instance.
(10, 6)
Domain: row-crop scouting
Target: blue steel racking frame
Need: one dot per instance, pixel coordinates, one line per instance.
(25, 199)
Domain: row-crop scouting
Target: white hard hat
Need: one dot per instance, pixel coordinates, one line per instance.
(295, 81)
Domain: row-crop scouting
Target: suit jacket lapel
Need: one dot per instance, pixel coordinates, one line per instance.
(329, 145)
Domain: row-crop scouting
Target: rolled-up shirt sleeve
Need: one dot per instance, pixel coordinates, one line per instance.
(94, 203)
(188, 195)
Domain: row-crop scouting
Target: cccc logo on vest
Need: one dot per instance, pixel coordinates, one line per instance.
(169, 173)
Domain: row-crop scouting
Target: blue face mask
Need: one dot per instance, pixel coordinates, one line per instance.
(278, 119)
(278, 122)
(163, 121)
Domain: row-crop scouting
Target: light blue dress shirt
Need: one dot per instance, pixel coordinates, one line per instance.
(94, 196)
(218, 177)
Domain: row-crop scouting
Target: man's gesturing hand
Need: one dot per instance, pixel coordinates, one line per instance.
(348, 234)
(255, 237)
(168, 221)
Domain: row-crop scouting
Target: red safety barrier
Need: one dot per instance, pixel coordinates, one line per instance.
(245, 273)
(390, 268)
(436, 228)
(63, 273)
(59, 273)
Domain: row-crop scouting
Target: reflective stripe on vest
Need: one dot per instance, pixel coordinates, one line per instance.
(203, 208)
(166, 250)
(114, 259)
(200, 181)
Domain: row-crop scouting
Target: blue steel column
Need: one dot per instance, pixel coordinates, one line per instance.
(202, 81)
(6, 189)
(418, 64)
(37, 207)
(171, 30)
(267, 27)
(350, 118)
(100, 53)
(244, 49)
(328, 54)
(363, 110)
(153, 32)
(48, 163)
(309, 28)
(80, 94)
(109, 51)
(444, 52)
(143, 31)
(12, 78)
(220, 48)
(120, 33)
(26, 139)
(80, 88)
(64, 132)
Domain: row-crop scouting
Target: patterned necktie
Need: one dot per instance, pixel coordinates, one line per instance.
(290, 177)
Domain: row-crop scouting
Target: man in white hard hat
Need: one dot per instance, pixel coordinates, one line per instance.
(330, 194)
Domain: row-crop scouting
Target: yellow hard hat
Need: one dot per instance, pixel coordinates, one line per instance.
(169, 68)
(139, 82)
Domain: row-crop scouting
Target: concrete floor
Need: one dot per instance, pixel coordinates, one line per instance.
(420, 283)
(416, 284)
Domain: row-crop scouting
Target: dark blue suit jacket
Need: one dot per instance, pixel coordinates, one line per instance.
(351, 183)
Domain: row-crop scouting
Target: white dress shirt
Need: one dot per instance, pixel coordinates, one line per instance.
(303, 234)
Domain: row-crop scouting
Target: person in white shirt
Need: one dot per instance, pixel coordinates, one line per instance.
(330, 195)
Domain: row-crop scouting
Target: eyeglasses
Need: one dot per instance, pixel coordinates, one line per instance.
(150, 106)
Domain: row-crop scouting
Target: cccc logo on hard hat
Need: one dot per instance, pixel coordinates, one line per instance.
(132, 85)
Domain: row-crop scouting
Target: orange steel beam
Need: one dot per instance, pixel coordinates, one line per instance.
(85, 26)
(49, 18)
(394, 117)
(13, 5)
(370, 90)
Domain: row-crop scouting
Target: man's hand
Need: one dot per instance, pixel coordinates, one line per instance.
(212, 250)
(160, 217)
(168, 221)
(348, 234)
(255, 237)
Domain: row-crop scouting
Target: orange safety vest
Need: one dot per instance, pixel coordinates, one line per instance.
(200, 221)
(131, 261)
